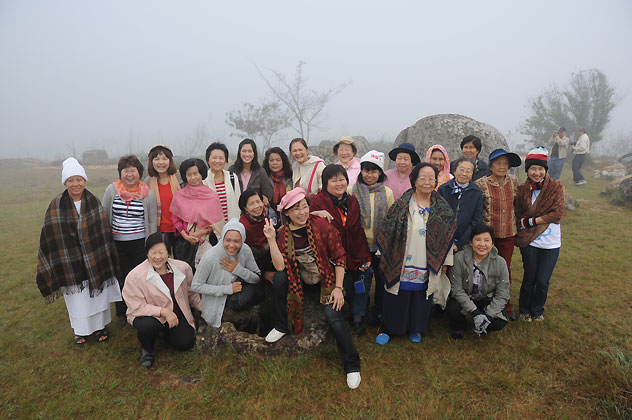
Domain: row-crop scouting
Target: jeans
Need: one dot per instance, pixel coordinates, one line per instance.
(335, 320)
(555, 167)
(148, 329)
(538, 267)
(578, 161)
(458, 322)
(359, 301)
(130, 254)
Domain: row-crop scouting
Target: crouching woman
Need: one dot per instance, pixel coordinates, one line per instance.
(310, 261)
(227, 276)
(159, 300)
(480, 285)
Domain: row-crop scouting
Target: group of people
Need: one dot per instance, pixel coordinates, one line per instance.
(436, 235)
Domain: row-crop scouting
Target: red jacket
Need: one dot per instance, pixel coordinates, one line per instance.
(351, 233)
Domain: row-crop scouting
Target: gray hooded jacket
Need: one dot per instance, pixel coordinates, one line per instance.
(214, 284)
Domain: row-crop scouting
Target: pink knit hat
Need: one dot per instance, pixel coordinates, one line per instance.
(291, 198)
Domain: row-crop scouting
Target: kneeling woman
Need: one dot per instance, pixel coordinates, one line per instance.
(416, 241)
(310, 260)
(159, 299)
(480, 285)
(227, 275)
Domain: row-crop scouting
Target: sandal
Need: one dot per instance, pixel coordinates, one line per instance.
(81, 340)
(101, 335)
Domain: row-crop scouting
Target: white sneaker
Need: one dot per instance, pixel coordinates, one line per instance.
(353, 380)
(582, 182)
(274, 336)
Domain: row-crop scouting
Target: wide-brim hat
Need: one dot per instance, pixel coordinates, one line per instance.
(405, 148)
(514, 159)
(345, 140)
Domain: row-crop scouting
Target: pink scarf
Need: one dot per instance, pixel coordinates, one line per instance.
(128, 195)
(444, 175)
(197, 204)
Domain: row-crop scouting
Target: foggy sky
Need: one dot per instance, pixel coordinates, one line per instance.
(97, 73)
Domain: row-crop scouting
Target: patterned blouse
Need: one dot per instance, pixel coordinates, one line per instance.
(498, 204)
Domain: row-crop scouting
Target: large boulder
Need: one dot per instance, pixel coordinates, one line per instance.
(620, 191)
(448, 130)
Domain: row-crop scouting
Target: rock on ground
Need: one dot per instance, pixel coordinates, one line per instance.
(448, 130)
(212, 340)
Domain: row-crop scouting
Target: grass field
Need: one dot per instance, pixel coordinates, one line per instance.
(575, 364)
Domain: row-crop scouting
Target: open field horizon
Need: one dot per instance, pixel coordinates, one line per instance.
(575, 364)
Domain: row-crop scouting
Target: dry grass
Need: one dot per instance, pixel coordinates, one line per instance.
(576, 364)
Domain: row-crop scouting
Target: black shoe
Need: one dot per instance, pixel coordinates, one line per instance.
(146, 358)
(359, 328)
(513, 317)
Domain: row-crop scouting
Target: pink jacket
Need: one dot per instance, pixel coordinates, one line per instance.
(353, 170)
(146, 294)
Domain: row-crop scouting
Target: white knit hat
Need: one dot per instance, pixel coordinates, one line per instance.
(374, 156)
(71, 168)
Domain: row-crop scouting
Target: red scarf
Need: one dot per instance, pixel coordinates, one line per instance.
(254, 230)
(278, 178)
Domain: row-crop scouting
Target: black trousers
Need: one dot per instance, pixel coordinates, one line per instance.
(169, 238)
(148, 329)
(458, 322)
(130, 254)
(335, 320)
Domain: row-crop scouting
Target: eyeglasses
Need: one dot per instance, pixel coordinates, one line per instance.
(426, 180)
(464, 170)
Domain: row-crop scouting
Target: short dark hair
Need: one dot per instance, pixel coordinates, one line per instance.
(287, 168)
(153, 153)
(216, 146)
(130, 161)
(562, 129)
(461, 160)
(243, 198)
(189, 163)
(300, 140)
(331, 171)
(482, 228)
(154, 239)
(239, 164)
(474, 140)
(415, 173)
(370, 166)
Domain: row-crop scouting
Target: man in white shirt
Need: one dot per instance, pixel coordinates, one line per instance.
(581, 149)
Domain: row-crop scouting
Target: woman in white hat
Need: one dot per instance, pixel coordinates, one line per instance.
(77, 257)
(375, 199)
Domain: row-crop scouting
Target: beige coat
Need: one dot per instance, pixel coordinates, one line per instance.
(562, 143)
(232, 196)
(302, 172)
(146, 294)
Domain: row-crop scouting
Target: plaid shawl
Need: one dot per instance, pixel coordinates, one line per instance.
(74, 248)
(325, 241)
(549, 205)
(392, 235)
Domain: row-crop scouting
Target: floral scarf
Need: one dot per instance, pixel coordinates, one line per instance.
(392, 235)
(153, 185)
(127, 194)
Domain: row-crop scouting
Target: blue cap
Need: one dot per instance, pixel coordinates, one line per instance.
(514, 159)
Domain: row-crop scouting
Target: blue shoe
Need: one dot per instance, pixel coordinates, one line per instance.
(382, 339)
(415, 338)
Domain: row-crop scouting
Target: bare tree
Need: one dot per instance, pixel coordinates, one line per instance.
(263, 121)
(305, 105)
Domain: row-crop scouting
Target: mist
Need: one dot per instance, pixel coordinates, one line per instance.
(124, 76)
